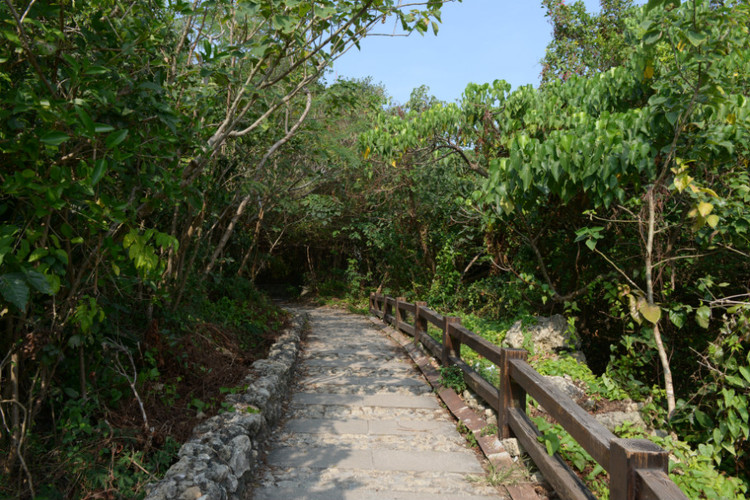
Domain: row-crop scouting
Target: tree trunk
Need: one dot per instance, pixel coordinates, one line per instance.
(668, 383)
(254, 243)
(243, 204)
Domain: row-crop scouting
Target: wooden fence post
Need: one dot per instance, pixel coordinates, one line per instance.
(387, 309)
(420, 323)
(451, 345)
(626, 456)
(372, 301)
(512, 395)
(399, 319)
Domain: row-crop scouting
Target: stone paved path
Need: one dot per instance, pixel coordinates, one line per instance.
(364, 425)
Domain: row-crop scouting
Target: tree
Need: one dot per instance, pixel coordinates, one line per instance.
(129, 135)
(585, 44)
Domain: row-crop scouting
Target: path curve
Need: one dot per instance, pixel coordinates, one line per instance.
(363, 424)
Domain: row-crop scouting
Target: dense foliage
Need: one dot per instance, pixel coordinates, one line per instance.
(158, 157)
(140, 155)
(617, 193)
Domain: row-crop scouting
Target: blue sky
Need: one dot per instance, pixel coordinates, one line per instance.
(478, 41)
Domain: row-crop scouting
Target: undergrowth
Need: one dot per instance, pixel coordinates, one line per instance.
(146, 392)
(693, 471)
(693, 468)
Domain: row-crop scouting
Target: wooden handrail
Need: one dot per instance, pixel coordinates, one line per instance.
(590, 434)
(638, 468)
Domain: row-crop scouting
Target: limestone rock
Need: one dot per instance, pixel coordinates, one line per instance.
(549, 335)
(612, 420)
(220, 457)
(567, 386)
(512, 447)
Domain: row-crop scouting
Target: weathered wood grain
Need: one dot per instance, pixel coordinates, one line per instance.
(566, 483)
(482, 346)
(590, 434)
(433, 317)
(655, 485)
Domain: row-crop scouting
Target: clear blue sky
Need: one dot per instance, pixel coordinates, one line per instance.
(478, 41)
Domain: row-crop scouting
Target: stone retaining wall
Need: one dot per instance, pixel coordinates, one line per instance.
(220, 459)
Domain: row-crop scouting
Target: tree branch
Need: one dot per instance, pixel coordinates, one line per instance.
(29, 53)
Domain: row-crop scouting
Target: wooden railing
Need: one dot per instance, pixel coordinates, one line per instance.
(638, 468)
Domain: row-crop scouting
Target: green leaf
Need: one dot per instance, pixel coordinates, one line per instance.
(99, 169)
(717, 435)
(39, 282)
(706, 450)
(703, 419)
(14, 289)
(651, 312)
(695, 38)
(61, 256)
(66, 230)
(745, 371)
(96, 70)
(37, 254)
(702, 316)
(705, 208)
(712, 220)
(116, 138)
(633, 308)
(54, 138)
(672, 117)
(591, 244)
(661, 3)
(101, 128)
(86, 120)
(552, 443)
(677, 318)
(526, 176)
(74, 341)
(652, 37)
(283, 23)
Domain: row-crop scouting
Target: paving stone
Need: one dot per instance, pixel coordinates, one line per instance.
(364, 425)
(426, 461)
(363, 381)
(399, 427)
(357, 365)
(321, 426)
(321, 458)
(359, 494)
(397, 401)
(403, 427)
(423, 484)
(381, 400)
(384, 460)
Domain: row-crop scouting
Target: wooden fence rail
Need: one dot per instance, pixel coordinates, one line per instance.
(638, 468)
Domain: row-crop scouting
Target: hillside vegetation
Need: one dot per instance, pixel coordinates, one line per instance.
(160, 158)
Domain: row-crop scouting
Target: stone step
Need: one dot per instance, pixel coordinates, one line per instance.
(345, 371)
(379, 381)
(400, 427)
(348, 352)
(336, 493)
(379, 400)
(416, 442)
(364, 425)
(380, 460)
(381, 485)
(392, 364)
(369, 391)
(368, 412)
